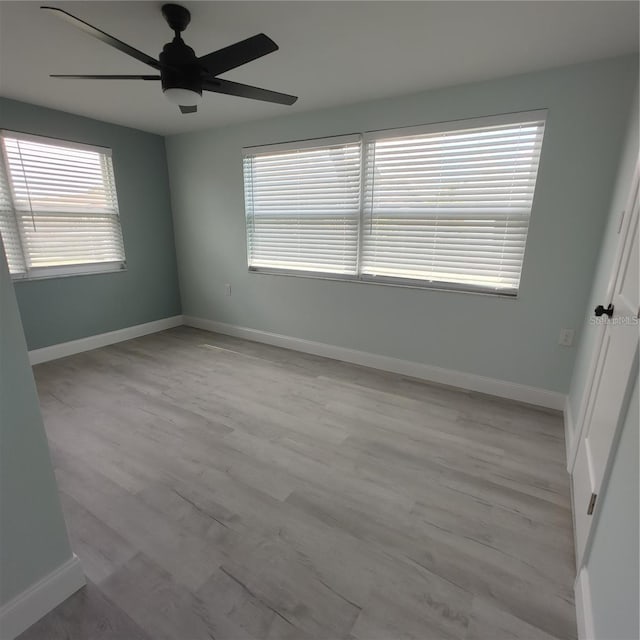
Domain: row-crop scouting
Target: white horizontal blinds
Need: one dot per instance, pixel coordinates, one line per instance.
(303, 207)
(8, 226)
(451, 207)
(65, 203)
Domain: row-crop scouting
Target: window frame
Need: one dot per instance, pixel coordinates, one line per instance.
(58, 271)
(367, 137)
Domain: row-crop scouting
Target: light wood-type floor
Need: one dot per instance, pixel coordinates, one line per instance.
(218, 488)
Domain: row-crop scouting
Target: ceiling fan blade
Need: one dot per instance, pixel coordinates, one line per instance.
(103, 77)
(105, 37)
(238, 54)
(218, 85)
(190, 109)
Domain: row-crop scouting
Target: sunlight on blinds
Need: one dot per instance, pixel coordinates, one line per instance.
(64, 202)
(451, 207)
(303, 208)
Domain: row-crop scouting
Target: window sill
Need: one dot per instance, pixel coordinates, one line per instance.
(390, 282)
(49, 273)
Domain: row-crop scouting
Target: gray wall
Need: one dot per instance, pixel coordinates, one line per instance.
(585, 354)
(613, 561)
(33, 537)
(514, 340)
(60, 309)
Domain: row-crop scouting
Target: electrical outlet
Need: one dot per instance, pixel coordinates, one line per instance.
(566, 337)
(227, 289)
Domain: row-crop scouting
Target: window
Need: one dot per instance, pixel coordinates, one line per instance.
(445, 205)
(58, 207)
(303, 206)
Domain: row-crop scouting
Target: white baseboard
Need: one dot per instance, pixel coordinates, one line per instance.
(584, 612)
(468, 381)
(28, 607)
(64, 349)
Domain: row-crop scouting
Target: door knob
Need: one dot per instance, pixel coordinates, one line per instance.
(600, 310)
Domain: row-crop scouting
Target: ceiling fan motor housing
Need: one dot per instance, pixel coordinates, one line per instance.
(179, 67)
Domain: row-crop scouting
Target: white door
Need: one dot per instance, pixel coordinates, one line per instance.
(608, 395)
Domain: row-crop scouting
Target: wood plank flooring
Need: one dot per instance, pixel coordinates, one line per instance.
(218, 488)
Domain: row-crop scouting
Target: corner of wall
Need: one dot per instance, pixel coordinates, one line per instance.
(37, 567)
(33, 603)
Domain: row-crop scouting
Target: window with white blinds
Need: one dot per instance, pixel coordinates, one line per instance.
(303, 206)
(58, 207)
(451, 207)
(444, 205)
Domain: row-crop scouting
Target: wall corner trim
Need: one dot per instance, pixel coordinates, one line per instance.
(460, 379)
(28, 607)
(584, 611)
(569, 431)
(64, 349)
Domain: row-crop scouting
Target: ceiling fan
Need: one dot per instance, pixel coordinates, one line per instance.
(182, 74)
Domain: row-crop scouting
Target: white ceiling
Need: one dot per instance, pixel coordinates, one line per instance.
(331, 53)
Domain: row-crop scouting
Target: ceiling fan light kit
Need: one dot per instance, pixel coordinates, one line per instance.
(182, 96)
(183, 75)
